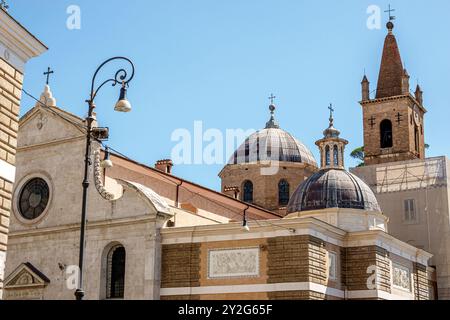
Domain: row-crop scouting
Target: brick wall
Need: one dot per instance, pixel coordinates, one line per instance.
(421, 283)
(265, 187)
(296, 259)
(356, 264)
(403, 131)
(180, 265)
(10, 94)
(291, 259)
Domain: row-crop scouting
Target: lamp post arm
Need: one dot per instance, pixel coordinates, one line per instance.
(121, 76)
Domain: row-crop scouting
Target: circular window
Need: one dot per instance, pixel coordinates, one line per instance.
(33, 199)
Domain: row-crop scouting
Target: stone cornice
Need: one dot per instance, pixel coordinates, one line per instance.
(76, 227)
(18, 39)
(302, 226)
(51, 143)
(373, 101)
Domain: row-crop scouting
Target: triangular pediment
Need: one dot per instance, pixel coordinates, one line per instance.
(43, 125)
(26, 276)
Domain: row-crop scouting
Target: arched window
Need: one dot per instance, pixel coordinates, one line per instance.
(248, 192)
(336, 155)
(283, 193)
(327, 156)
(417, 139)
(386, 134)
(115, 273)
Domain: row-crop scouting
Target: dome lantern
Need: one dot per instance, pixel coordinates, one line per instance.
(332, 146)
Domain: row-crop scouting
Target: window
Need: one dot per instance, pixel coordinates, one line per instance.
(410, 210)
(283, 193)
(336, 155)
(327, 156)
(417, 139)
(386, 134)
(33, 198)
(116, 273)
(248, 192)
(332, 266)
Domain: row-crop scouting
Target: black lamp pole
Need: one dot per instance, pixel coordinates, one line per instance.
(121, 77)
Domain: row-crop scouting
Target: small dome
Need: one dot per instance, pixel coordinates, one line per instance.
(333, 189)
(272, 144)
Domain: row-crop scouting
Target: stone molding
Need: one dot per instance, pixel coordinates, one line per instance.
(302, 226)
(19, 41)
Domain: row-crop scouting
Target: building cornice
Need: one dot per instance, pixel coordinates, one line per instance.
(19, 41)
(91, 225)
(289, 227)
(393, 98)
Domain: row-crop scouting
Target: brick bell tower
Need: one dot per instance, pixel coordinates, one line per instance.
(394, 119)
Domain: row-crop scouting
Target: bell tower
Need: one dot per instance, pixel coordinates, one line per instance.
(394, 118)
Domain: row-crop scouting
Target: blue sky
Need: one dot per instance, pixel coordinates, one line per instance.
(218, 61)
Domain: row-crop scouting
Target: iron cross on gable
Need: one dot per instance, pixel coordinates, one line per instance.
(48, 73)
(391, 17)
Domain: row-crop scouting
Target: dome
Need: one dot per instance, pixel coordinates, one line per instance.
(272, 144)
(333, 189)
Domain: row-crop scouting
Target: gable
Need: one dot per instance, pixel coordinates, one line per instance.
(47, 125)
(26, 276)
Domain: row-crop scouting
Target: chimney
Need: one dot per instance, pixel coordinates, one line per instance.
(164, 166)
(365, 84)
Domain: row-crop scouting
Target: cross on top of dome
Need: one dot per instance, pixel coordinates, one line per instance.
(272, 124)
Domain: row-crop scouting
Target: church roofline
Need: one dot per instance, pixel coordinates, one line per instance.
(264, 213)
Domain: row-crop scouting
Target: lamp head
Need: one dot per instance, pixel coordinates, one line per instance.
(245, 225)
(107, 163)
(123, 105)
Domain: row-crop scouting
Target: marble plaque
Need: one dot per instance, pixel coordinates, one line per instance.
(401, 277)
(233, 263)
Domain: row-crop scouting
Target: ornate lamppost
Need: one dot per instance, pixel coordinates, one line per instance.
(122, 105)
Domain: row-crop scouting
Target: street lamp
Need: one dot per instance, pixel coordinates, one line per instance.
(122, 105)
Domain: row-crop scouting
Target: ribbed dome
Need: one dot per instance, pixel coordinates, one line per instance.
(333, 189)
(272, 144)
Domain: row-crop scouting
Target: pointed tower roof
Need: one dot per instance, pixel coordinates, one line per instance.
(391, 70)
